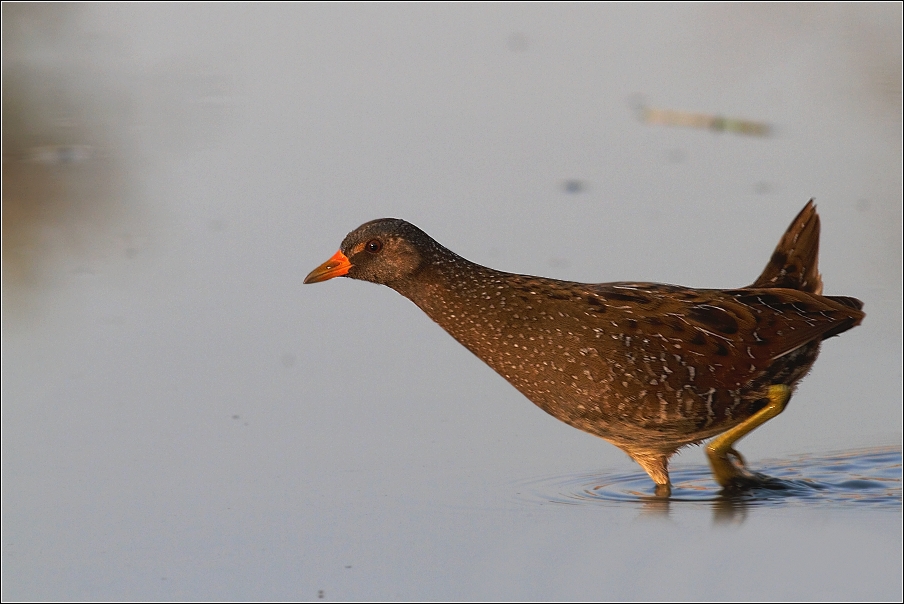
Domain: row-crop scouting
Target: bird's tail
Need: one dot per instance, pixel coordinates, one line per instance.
(794, 263)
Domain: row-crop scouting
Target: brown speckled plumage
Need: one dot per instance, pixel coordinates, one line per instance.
(646, 366)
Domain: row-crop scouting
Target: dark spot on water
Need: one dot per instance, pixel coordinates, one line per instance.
(573, 186)
(861, 484)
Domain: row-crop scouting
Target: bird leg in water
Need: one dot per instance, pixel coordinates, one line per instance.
(727, 464)
(656, 465)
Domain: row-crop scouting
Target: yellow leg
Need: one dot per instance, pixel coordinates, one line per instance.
(721, 451)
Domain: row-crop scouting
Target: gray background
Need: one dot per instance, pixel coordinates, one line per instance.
(182, 419)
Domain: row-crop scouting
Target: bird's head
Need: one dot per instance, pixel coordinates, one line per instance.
(383, 251)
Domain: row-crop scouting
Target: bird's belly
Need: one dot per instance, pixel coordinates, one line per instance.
(629, 390)
(636, 405)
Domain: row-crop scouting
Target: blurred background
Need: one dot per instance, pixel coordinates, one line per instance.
(183, 420)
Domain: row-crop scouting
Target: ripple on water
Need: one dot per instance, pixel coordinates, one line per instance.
(867, 477)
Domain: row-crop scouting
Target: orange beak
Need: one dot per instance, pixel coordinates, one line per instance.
(336, 266)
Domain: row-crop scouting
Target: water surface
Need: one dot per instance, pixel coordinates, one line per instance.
(184, 420)
(868, 479)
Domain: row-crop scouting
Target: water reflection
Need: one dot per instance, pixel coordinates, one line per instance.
(867, 477)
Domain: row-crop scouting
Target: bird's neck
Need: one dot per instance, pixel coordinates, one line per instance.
(454, 292)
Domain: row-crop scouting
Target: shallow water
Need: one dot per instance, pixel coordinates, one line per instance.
(862, 479)
(184, 420)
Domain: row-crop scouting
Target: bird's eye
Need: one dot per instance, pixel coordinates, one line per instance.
(374, 246)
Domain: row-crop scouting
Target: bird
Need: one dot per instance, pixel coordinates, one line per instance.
(649, 367)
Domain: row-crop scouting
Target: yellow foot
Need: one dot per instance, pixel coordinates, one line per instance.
(727, 464)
